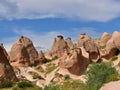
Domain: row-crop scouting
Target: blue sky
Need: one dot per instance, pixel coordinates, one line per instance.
(43, 20)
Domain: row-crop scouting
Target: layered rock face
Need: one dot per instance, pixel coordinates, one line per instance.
(113, 45)
(104, 38)
(81, 39)
(6, 71)
(23, 52)
(75, 62)
(59, 46)
(41, 57)
(92, 49)
(69, 43)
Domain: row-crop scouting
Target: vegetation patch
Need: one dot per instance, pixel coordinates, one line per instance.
(103, 47)
(73, 85)
(114, 58)
(39, 68)
(100, 73)
(35, 75)
(6, 84)
(50, 68)
(49, 60)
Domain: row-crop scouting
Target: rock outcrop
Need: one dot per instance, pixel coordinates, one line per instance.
(113, 45)
(92, 49)
(23, 52)
(69, 43)
(41, 57)
(74, 61)
(59, 46)
(6, 70)
(104, 38)
(81, 39)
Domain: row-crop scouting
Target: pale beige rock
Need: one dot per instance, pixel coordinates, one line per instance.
(115, 85)
(41, 57)
(113, 45)
(81, 39)
(92, 49)
(59, 46)
(74, 62)
(69, 43)
(104, 38)
(6, 70)
(23, 52)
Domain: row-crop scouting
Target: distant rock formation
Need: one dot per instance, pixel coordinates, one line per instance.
(81, 39)
(41, 57)
(104, 38)
(6, 70)
(92, 49)
(23, 53)
(74, 61)
(59, 46)
(113, 45)
(69, 43)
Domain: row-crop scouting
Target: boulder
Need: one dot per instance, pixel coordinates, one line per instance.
(23, 53)
(92, 49)
(6, 70)
(74, 61)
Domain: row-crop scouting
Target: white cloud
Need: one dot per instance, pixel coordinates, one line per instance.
(89, 10)
(40, 40)
(45, 40)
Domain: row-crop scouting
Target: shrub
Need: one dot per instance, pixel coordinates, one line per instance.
(55, 57)
(73, 85)
(24, 84)
(51, 87)
(100, 73)
(114, 58)
(6, 84)
(66, 77)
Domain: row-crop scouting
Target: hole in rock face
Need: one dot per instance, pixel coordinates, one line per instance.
(117, 52)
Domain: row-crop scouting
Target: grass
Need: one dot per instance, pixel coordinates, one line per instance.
(72, 85)
(6, 84)
(39, 68)
(114, 58)
(49, 60)
(50, 68)
(21, 85)
(35, 75)
(103, 47)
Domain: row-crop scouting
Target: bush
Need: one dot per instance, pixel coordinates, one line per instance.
(24, 84)
(114, 58)
(51, 87)
(66, 76)
(6, 84)
(73, 85)
(100, 73)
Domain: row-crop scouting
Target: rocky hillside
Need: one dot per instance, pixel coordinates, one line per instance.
(87, 64)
